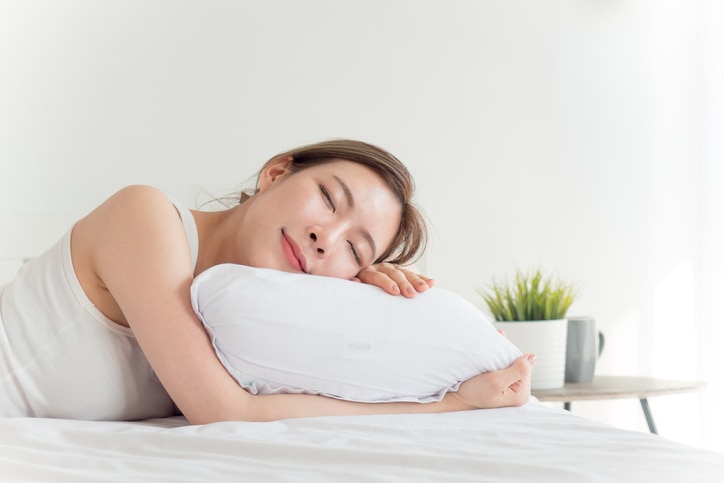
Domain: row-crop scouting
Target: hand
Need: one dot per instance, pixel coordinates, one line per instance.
(395, 279)
(497, 389)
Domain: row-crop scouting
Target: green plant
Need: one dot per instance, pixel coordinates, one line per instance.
(530, 297)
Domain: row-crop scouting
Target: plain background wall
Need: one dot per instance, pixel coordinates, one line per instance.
(581, 136)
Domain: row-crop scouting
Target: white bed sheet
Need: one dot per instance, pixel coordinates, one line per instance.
(532, 443)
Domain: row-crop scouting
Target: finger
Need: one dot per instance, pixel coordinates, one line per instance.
(419, 282)
(395, 279)
(403, 280)
(519, 370)
(382, 272)
(411, 282)
(371, 276)
(517, 395)
(428, 280)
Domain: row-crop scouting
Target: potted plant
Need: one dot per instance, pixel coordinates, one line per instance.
(531, 311)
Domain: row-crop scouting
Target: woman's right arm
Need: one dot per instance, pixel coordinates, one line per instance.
(137, 251)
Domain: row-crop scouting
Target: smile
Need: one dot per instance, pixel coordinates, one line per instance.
(293, 253)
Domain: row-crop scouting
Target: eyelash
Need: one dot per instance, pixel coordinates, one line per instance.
(327, 197)
(355, 254)
(330, 202)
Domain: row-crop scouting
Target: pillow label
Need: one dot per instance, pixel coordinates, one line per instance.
(359, 349)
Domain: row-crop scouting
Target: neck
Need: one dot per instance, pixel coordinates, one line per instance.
(217, 231)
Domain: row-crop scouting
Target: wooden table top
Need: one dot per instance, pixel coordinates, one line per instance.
(616, 387)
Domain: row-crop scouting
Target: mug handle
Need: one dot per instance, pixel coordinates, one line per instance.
(601, 341)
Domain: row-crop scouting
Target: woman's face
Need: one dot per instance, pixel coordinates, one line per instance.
(330, 219)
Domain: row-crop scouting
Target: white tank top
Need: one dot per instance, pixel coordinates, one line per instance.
(60, 357)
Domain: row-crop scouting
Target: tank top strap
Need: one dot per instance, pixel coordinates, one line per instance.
(192, 233)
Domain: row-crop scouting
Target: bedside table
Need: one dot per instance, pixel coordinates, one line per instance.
(618, 387)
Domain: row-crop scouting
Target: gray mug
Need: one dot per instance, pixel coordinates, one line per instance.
(581, 350)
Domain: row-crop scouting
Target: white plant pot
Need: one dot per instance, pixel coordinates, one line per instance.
(547, 340)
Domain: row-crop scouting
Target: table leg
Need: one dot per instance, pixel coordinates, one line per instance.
(648, 415)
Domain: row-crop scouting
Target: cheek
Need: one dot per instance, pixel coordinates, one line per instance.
(297, 205)
(340, 265)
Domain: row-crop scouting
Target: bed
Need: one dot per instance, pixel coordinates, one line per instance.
(530, 443)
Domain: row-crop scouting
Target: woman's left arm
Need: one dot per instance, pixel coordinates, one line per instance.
(395, 279)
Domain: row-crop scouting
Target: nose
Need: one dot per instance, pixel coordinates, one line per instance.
(323, 239)
(317, 248)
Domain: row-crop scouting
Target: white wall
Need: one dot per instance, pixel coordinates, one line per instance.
(584, 136)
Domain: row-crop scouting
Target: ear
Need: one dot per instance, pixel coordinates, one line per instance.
(277, 169)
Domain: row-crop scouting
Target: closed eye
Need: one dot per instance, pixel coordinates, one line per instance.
(327, 197)
(356, 256)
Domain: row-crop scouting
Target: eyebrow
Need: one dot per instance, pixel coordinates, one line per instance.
(350, 203)
(347, 191)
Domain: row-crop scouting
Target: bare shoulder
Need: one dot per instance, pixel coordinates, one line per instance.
(133, 238)
(137, 221)
(136, 201)
(131, 218)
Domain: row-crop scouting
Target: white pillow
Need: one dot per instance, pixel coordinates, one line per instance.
(282, 332)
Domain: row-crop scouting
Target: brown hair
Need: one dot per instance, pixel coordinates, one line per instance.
(411, 238)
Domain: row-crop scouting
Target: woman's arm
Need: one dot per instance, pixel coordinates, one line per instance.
(137, 249)
(504, 388)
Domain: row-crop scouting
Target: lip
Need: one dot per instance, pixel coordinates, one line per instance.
(293, 253)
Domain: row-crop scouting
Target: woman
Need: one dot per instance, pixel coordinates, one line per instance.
(101, 325)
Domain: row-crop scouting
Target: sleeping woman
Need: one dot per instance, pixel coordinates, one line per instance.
(101, 326)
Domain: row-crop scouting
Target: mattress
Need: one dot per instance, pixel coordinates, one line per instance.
(530, 443)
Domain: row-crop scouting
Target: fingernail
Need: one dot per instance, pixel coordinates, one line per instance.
(532, 358)
(409, 290)
(395, 289)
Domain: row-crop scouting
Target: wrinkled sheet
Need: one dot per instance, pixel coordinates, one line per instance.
(532, 443)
